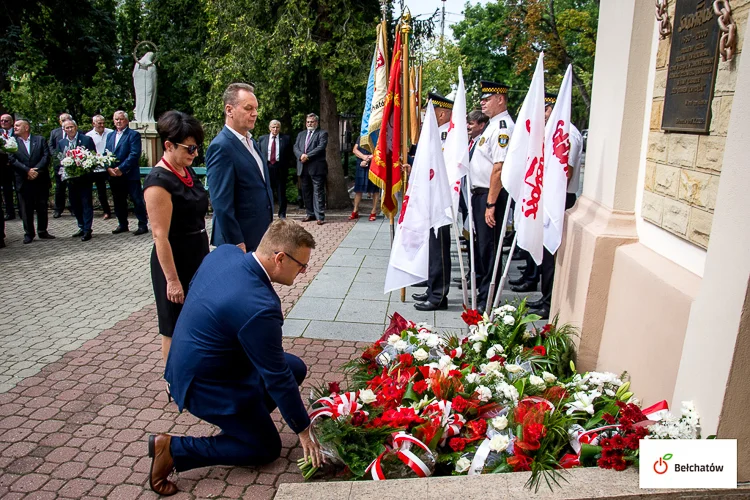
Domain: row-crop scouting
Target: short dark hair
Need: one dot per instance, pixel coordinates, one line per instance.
(477, 116)
(285, 236)
(176, 126)
(231, 94)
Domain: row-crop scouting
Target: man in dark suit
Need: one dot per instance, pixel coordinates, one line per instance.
(81, 192)
(238, 175)
(60, 185)
(125, 175)
(227, 364)
(31, 166)
(312, 168)
(6, 173)
(277, 152)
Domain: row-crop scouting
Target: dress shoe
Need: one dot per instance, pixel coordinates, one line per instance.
(542, 311)
(56, 214)
(517, 281)
(9, 216)
(373, 217)
(140, 231)
(86, 236)
(77, 234)
(45, 236)
(282, 216)
(161, 464)
(28, 239)
(419, 297)
(354, 216)
(308, 219)
(421, 283)
(526, 286)
(518, 256)
(107, 216)
(534, 304)
(321, 222)
(120, 229)
(429, 306)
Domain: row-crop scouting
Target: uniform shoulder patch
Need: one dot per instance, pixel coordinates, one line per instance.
(482, 141)
(502, 124)
(503, 140)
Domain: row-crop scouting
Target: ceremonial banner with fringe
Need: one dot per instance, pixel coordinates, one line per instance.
(377, 84)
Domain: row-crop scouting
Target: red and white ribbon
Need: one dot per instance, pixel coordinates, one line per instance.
(450, 423)
(401, 442)
(586, 437)
(657, 411)
(336, 406)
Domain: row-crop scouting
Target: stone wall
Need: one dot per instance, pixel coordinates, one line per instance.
(682, 170)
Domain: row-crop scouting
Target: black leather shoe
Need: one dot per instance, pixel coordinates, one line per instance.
(77, 234)
(429, 306)
(140, 231)
(120, 229)
(308, 219)
(45, 236)
(28, 239)
(9, 217)
(535, 304)
(86, 236)
(542, 311)
(521, 269)
(517, 281)
(419, 297)
(55, 214)
(524, 287)
(423, 283)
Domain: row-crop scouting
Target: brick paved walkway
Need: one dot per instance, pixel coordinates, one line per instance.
(73, 422)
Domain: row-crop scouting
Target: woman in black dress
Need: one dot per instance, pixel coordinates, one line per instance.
(177, 205)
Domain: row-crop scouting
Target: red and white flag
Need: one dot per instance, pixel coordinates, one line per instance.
(556, 152)
(523, 170)
(455, 148)
(425, 207)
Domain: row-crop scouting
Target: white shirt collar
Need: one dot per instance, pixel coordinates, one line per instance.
(240, 136)
(499, 116)
(261, 265)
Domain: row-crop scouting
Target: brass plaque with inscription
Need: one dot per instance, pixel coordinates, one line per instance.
(692, 68)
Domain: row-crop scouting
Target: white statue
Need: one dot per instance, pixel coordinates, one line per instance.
(144, 79)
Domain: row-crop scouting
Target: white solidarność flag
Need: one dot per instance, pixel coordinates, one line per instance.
(456, 146)
(424, 208)
(556, 151)
(523, 170)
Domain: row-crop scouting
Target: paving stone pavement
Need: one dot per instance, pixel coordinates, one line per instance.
(74, 424)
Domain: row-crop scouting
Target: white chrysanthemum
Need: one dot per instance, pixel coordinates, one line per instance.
(401, 345)
(484, 393)
(472, 378)
(477, 347)
(393, 339)
(367, 396)
(445, 364)
(500, 422)
(549, 378)
(463, 464)
(509, 392)
(420, 354)
(499, 443)
(509, 320)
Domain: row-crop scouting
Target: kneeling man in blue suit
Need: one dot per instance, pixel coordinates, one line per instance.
(227, 364)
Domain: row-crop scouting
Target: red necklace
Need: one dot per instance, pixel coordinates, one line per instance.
(187, 179)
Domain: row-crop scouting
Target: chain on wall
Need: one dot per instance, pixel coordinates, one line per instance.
(662, 16)
(728, 40)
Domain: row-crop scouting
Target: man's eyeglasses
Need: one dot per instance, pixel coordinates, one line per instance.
(192, 149)
(303, 267)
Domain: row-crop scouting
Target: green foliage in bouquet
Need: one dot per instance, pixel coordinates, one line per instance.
(356, 445)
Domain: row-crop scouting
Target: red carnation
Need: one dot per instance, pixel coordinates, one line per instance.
(406, 359)
(459, 404)
(334, 387)
(455, 373)
(457, 444)
(540, 350)
(420, 387)
(471, 316)
(477, 428)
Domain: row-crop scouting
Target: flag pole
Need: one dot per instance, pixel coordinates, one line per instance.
(499, 255)
(460, 259)
(472, 265)
(496, 303)
(405, 29)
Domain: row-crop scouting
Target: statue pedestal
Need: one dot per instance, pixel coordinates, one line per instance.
(151, 145)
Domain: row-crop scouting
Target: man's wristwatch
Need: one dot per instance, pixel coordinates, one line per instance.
(491, 205)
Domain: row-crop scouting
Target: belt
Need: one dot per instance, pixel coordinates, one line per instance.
(193, 233)
(479, 190)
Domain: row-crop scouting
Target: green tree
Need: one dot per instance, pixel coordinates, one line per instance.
(440, 67)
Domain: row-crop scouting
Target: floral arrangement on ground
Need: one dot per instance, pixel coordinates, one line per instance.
(504, 398)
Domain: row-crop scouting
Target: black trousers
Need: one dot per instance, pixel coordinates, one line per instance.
(8, 181)
(60, 187)
(313, 192)
(81, 199)
(439, 267)
(123, 188)
(101, 193)
(33, 198)
(488, 242)
(278, 185)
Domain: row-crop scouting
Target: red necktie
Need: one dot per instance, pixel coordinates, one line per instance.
(273, 150)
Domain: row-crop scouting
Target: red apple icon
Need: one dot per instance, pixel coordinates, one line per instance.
(660, 466)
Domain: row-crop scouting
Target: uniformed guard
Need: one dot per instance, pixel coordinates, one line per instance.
(488, 198)
(439, 270)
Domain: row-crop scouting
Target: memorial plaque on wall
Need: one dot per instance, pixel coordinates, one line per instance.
(692, 67)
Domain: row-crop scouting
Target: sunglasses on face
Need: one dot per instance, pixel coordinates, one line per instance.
(192, 149)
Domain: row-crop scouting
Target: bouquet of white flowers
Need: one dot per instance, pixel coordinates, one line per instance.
(77, 162)
(8, 145)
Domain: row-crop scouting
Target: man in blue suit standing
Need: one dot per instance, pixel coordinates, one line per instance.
(125, 175)
(238, 174)
(227, 364)
(79, 187)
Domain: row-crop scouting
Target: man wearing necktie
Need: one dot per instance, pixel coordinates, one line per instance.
(275, 147)
(312, 168)
(60, 185)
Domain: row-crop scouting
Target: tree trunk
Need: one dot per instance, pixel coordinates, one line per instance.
(336, 192)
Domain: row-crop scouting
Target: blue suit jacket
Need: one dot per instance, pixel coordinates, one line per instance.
(241, 198)
(227, 343)
(128, 152)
